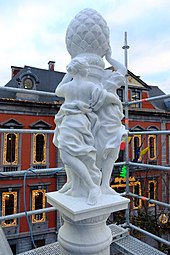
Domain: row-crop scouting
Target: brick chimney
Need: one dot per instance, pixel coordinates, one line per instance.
(51, 65)
(15, 70)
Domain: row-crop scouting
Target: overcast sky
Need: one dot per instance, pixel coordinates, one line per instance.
(33, 32)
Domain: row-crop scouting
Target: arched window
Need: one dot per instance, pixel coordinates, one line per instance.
(38, 202)
(136, 147)
(152, 184)
(9, 206)
(137, 203)
(40, 145)
(152, 147)
(11, 146)
(10, 152)
(39, 149)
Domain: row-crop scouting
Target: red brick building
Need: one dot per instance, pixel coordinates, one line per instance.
(34, 150)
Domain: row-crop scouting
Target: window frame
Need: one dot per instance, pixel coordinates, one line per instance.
(155, 190)
(135, 92)
(133, 146)
(154, 147)
(15, 194)
(15, 162)
(44, 161)
(140, 192)
(33, 194)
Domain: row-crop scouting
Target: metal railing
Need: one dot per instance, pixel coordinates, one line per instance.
(127, 162)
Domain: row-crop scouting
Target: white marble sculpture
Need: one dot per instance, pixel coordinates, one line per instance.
(88, 126)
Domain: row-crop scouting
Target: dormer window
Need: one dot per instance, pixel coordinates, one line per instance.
(27, 80)
(28, 83)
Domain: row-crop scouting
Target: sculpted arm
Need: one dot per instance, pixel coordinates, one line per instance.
(102, 97)
(117, 65)
(112, 99)
(59, 90)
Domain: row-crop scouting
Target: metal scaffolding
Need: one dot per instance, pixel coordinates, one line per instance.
(127, 162)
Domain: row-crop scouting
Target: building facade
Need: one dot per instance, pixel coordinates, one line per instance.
(22, 153)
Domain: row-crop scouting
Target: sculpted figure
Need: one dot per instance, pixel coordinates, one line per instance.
(73, 134)
(74, 124)
(88, 126)
(109, 135)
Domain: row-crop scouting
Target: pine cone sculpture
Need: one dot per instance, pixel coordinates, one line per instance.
(87, 33)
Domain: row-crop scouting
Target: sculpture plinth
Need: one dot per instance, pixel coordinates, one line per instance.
(84, 230)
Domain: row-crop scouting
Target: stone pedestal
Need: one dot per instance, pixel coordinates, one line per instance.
(84, 230)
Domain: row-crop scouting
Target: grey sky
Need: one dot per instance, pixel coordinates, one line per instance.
(33, 32)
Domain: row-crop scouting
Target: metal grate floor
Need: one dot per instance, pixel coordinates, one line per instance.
(132, 246)
(50, 249)
(118, 232)
(121, 242)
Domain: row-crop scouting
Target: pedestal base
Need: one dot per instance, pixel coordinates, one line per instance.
(90, 236)
(85, 231)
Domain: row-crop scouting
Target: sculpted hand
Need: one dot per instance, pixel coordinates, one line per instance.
(108, 54)
(116, 65)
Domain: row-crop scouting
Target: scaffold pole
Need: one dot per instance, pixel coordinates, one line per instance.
(125, 48)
